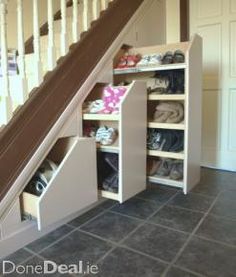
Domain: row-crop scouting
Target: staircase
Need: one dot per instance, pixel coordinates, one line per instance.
(73, 21)
(75, 53)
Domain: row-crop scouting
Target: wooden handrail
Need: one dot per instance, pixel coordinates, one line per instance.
(27, 129)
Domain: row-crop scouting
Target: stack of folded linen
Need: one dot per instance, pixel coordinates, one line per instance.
(169, 112)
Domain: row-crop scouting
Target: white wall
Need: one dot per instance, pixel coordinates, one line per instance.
(28, 18)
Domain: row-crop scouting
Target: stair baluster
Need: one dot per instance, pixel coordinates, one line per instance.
(36, 43)
(86, 15)
(6, 101)
(104, 4)
(75, 28)
(64, 37)
(23, 89)
(51, 44)
(96, 9)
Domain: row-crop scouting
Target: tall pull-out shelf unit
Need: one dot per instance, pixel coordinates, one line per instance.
(192, 98)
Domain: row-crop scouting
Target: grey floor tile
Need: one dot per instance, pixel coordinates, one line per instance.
(218, 178)
(107, 204)
(207, 188)
(16, 258)
(35, 267)
(156, 241)
(125, 263)
(225, 208)
(192, 201)
(177, 218)
(111, 226)
(86, 217)
(45, 241)
(137, 207)
(218, 228)
(76, 247)
(209, 258)
(176, 272)
(158, 193)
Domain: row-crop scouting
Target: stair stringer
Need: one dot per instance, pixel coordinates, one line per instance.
(103, 72)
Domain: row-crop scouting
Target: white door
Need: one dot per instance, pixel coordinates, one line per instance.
(215, 21)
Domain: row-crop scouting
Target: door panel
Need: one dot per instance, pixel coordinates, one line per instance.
(215, 21)
(206, 9)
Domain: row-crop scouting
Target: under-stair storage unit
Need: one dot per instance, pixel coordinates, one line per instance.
(129, 143)
(72, 186)
(147, 64)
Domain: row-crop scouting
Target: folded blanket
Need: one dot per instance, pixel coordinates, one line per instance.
(169, 112)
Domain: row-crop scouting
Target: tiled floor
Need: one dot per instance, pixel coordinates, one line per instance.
(160, 232)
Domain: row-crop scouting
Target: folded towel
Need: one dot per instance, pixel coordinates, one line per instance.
(169, 112)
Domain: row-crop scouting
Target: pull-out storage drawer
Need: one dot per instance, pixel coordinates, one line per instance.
(73, 186)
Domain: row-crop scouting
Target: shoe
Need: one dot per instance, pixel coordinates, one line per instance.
(165, 168)
(155, 140)
(176, 172)
(113, 160)
(37, 184)
(144, 61)
(178, 145)
(167, 58)
(178, 57)
(111, 183)
(48, 168)
(132, 60)
(155, 59)
(152, 167)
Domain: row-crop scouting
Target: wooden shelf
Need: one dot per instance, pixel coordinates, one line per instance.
(119, 71)
(155, 125)
(171, 155)
(109, 195)
(172, 97)
(114, 148)
(101, 117)
(166, 181)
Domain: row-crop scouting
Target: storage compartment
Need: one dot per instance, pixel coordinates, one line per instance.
(129, 145)
(166, 171)
(172, 74)
(73, 185)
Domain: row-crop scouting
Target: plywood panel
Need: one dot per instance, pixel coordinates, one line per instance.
(210, 122)
(232, 121)
(133, 126)
(212, 51)
(232, 59)
(209, 8)
(73, 188)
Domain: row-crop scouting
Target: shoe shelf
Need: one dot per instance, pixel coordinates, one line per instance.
(191, 101)
(149, 68)
(164, 154)
(131, 126)
(114, 148)
(101, 117)
(155, 125)
(168, 97)
(109, 195)
(166, 181)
